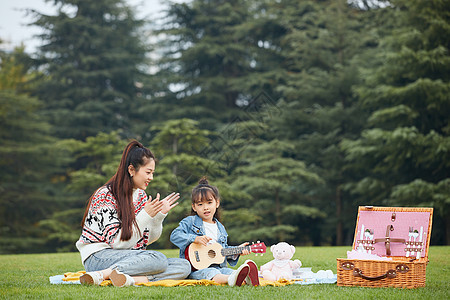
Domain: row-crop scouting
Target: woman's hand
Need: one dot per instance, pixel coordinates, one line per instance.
(152, 207)
(245, 251)
(202, 240)
(169, 202)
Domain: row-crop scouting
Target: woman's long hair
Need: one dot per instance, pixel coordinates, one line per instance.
(121, 186)
(201, 193)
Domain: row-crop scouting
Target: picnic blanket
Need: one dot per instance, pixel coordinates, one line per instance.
(74, 278)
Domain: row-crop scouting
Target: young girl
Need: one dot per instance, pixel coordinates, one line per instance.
(203, 227)
(120, 221)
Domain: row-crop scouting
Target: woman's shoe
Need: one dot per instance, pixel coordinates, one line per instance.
(91, 278)
(120, 279)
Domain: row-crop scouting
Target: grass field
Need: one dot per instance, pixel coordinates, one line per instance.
(26, 276)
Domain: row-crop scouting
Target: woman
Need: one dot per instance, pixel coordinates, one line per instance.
(121, 220)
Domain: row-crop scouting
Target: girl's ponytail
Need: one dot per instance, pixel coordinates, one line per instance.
(203, 181)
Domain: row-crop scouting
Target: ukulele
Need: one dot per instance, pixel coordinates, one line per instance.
(202, 257)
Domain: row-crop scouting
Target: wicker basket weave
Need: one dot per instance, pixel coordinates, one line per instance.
(400, 272)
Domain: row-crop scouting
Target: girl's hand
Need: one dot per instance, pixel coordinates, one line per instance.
(169, 202)
(245, 251)
(203, 240)
(152, 207)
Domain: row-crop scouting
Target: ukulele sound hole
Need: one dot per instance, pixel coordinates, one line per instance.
(211, 253)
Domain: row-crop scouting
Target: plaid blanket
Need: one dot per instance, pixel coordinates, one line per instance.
(74, 278)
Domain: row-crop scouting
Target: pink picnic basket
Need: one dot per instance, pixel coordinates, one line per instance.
(401, 233)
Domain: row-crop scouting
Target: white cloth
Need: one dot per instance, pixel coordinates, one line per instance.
(354, 254)
(305, 276)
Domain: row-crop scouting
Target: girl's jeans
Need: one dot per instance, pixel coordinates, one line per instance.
(155, 265)
(210, 272)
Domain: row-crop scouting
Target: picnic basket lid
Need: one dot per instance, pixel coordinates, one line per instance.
(395, 223)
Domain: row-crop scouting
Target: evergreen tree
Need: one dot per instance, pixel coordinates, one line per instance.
(323, 47)
(91, 57)
(29, 160)
(15, 68)
(102, 153)
(207, 61)
(403, 155)
(178, 145)
(276, 183)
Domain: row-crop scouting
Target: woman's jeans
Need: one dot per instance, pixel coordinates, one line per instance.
(155, 265)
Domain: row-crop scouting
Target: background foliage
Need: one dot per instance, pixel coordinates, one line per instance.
(299, 111)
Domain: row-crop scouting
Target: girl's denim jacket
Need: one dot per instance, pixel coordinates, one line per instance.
(191, 227)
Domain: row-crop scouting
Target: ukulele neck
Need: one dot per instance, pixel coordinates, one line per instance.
(234, 250)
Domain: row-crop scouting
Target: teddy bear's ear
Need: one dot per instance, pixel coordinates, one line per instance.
(292, 249)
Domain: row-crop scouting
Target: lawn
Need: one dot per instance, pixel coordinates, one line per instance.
(26, 276)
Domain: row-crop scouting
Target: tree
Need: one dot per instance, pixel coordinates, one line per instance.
(178, 146)
(29, 160)
(323, 48)
(102, 152)
(91, 58)
(277, 184)
(13, 75)
(403, 155)
(208, 60)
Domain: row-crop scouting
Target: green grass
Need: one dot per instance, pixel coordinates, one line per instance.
(26, 276)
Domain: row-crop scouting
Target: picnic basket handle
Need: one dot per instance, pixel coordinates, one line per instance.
(389, 274)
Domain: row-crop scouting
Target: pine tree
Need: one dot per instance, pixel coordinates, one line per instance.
(102, 153)
(29, 160)
(91, 56)
(207, 61)
(323, 48)
(178, 146)
(403, 155)
(276, 183)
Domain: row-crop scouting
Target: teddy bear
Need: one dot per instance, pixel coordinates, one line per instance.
(282, 265)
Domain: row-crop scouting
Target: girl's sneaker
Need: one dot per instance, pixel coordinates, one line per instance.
(252, 277)
(238, 276)
(120, 279)
(91, 278)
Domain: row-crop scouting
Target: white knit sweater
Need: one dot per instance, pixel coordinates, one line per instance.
(101, 228)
